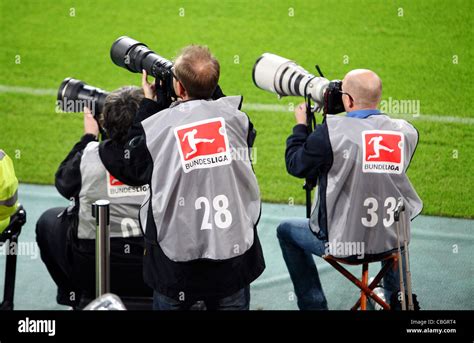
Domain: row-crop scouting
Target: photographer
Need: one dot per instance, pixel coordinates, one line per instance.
(354, 202)
(66, 236)
(200, 219)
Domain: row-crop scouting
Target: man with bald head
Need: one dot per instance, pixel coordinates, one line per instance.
(365, 88)
(359, 163)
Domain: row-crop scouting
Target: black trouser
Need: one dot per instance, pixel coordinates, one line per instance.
(71, 261)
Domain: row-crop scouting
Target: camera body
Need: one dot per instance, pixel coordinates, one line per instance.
(333, 98)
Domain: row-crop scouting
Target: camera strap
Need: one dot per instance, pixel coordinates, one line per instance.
(310, 125)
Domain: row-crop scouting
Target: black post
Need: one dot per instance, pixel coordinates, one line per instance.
(10, 272)
(12, 232)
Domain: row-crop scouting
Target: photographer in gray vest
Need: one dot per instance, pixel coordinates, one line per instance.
(359, 162)
(66, 236)
(200, 220)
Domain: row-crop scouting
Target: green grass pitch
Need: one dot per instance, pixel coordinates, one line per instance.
(421, 49)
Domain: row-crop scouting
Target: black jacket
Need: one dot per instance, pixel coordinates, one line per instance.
(310, 156)
(132, 164)
(68, 176)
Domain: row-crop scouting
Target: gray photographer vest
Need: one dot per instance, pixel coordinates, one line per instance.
(204, 194)
(366, 179)
(97, 183)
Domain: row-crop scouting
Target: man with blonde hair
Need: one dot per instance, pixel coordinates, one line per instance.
(200, 220)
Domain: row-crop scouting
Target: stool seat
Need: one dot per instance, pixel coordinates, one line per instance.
(363, 283)
(353, 261)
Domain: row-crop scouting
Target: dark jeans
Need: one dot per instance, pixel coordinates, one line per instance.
(71, 261)
(239, 301)
(298, 245)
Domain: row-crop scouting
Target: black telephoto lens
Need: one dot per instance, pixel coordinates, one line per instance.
(74, 94)
(130, 54)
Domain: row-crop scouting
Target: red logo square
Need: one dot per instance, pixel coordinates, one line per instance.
(382, 151)
(383, 147)
(203, 143)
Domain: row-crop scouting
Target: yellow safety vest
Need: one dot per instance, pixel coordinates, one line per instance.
(8, 190)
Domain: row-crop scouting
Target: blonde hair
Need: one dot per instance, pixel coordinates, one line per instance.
(198, 71)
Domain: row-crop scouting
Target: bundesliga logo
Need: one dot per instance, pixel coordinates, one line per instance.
(203, 144)
(116, 188)
(382, 152)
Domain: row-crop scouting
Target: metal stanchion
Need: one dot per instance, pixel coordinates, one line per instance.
(101, 213)
(405, 224)
(398, 210)
(405, 275)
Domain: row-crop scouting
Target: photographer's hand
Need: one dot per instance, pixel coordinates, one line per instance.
(90, 124)
(300, 114)
(148, 88)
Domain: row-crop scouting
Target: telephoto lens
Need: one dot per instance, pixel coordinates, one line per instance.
(74, 94)
(130, 54)
(284, 77)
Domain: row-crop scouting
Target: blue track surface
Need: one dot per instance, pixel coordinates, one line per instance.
(441, 252)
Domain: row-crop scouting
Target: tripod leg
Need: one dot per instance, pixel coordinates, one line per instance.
(400, 268)
(407, 264)
(10, 276)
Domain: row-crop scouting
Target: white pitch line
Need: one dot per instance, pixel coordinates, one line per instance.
(424, 117)
(27, 90)
(258, 107)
